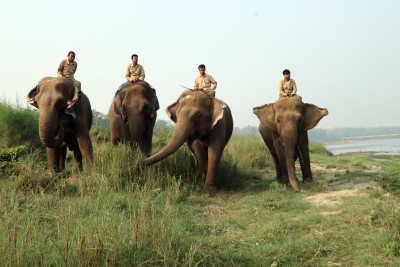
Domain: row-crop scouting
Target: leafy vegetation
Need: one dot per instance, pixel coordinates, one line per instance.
(18, 126)
(116, 213)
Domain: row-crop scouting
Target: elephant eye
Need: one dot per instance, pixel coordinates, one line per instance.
(198, 115)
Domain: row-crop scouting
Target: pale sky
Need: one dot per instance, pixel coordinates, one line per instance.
(343, 54)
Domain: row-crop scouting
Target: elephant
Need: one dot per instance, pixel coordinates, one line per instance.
(283, 127)
(132, 114)
(58, 129)
(206, 124)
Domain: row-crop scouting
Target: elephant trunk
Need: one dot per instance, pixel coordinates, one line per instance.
(180, 135)
(290, 155)
(50, 130)
(136, 128)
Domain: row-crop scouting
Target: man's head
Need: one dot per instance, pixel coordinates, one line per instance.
(286, 74)
(134, 58)
(71, 56)
(202, 69)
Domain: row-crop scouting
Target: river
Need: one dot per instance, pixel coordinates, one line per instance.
(381, 145)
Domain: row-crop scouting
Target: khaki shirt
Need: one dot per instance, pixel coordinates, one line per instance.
(134, 72)
(205, 82)
(287, 87)
(67, 69)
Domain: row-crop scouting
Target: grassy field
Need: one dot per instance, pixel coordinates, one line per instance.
(116, 214)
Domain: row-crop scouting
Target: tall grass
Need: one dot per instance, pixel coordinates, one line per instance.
(112, 213)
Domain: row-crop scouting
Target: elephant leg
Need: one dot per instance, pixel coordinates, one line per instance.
(274, 156)
(113, 136)
(214, 160)
(281, 169)
(125, 133)
(266, 135)
(199, 149)
(53, 158)
(278, 170)
(215, 150)
(85, 147)
(63, 154)
(78, 157)
(304, 157)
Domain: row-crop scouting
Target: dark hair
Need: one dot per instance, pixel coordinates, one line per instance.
(286, 71)
(134, 55)
(70, 52)
(202, 66)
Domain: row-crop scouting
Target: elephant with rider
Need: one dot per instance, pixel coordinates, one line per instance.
(59, 130)
(132, 114)
(205, 123)
(283, 127)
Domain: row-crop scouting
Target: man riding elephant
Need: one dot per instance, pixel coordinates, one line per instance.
(205, 81)
(67, 69)
(135, 73)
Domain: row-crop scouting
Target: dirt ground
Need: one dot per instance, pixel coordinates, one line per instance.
(337, 188)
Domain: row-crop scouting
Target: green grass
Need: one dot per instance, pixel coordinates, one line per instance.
(114, 213)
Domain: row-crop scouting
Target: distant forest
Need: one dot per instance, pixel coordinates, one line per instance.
(330, 135)
(316, 135)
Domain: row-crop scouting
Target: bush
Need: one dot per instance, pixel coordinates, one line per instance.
(319, 149)
(19, 126)
(13, 153)
(100, 134)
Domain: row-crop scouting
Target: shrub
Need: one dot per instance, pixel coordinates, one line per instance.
(13, 153)
(19, 126)
(100, 134)
(319, 149)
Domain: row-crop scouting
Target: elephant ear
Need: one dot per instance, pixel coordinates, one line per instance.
(171, 110)
(218, 108)
(266, 115)
(312, 115)
(31, 96)
(118, 99)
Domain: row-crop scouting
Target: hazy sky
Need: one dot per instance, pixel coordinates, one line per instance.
(344, 55)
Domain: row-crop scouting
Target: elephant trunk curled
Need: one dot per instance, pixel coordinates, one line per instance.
(178, 138)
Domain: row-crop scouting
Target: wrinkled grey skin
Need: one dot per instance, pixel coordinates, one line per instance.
(132, 116)
(283, 127)
(206, 125)
(58, 130)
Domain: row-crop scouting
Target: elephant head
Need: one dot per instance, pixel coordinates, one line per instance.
(135, 107)
(288, 121)
(51, 97)
(201, 118)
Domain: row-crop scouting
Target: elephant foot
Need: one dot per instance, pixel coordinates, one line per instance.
(49, 173)
(210, 190)
(307, 179)
(283, 180)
